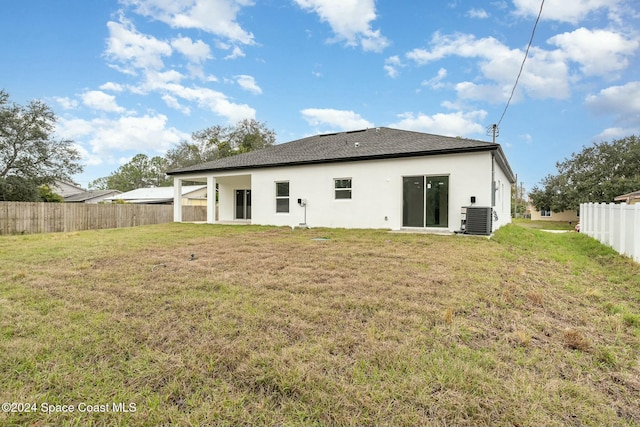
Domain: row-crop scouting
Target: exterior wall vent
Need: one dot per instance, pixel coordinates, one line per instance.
(479, 220)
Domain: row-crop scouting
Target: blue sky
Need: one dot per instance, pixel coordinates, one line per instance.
(139, 76)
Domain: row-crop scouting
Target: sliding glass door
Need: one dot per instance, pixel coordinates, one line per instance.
(425, 201)
(243, 204)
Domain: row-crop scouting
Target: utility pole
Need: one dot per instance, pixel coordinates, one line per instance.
(515, 202)
(494, 131)
(524, 203)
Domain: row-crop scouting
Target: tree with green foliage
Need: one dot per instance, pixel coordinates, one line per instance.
(249, 135)
(18, 189)
(46, 194)
(217, 142)
(209, 144)
(30, 156)
(140, 172)
(597, 174)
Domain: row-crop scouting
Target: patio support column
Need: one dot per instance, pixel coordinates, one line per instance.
(177, 199)
(211, 200)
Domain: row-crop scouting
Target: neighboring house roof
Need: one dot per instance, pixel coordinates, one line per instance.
(155, 194)
(90, 195)
(66, 188)
(367, 144)
(627, 198)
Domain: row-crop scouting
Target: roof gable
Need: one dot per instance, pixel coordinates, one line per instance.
(366, 144)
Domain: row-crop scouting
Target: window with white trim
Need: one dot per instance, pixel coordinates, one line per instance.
(545, 213)
(342, 188)
(282, 197)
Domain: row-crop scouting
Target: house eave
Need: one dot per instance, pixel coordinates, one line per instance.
(504, 164)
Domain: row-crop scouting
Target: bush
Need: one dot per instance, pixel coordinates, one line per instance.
(47, 195)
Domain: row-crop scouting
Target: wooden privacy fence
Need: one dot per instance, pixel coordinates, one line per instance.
(25, 217)
(615, 225)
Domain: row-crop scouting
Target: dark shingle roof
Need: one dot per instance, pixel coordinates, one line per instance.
(367, 144)
(87, 195)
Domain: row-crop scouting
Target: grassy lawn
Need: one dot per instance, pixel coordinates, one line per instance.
(268, 326)
(545, 225)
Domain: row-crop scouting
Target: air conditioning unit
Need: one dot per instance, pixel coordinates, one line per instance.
(478, 220)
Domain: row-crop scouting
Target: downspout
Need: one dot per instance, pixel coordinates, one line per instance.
(493, 188)
(493, 179)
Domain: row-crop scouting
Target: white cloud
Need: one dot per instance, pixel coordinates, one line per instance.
(133, 50)
(157, 80)
(465, 45)
(545, 75)
(391, 66)
(451, 124)
(564, 11)
(248, 83)
(67, 103)
(99, 100)
(88, 158)
(73, 128)
(599, 52)
(196, 52)
(138, 52)
(213, 16)
(436, 82)
(350, 20)
(148, 133)
(173, 102)
(623, 101)
(216, 102)
(612, 133)
(114, 87)
(477, 14)
(341, 119)
(236, 52)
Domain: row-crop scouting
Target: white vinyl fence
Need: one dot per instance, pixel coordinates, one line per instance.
(615, 225)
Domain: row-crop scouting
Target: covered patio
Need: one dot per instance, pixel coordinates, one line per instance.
(233, 197)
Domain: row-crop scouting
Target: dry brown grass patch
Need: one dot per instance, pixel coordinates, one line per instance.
(535, 297)
(575, 340)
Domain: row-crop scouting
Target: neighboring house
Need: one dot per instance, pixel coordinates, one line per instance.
(548, 215)
(192, 195)
(91, 196)
(630, 199)
(373, 178)
(66, 188)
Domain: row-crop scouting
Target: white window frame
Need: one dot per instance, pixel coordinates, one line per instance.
(282, 197)
(347, 190)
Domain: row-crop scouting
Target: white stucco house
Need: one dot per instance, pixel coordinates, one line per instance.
(373, 178)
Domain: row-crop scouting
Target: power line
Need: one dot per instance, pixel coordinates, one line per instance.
(526, 54)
